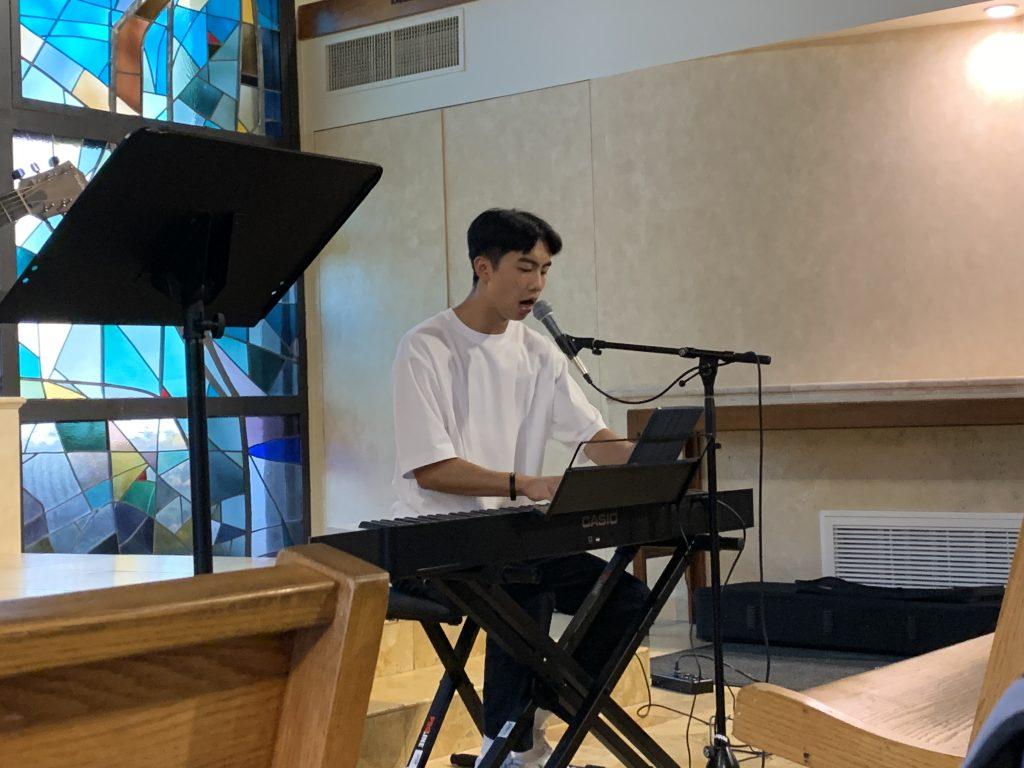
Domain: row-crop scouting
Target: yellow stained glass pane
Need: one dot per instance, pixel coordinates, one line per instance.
(57, 392)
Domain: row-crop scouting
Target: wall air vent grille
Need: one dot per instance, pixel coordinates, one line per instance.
(917, 549)
(392, 55)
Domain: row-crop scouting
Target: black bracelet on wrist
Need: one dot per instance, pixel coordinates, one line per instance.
(512, 486)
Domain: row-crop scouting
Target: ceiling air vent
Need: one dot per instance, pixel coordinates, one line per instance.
(396, 54)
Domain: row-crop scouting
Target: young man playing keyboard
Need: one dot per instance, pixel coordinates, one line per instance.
(477, 396)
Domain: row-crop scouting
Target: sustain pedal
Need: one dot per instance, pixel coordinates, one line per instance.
(685, 683)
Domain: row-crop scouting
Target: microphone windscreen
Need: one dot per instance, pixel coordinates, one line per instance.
(541, 309)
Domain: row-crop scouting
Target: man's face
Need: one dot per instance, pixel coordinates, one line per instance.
(516, 284)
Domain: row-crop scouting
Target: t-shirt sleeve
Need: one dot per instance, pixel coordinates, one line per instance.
(420, 434)
(575, 419)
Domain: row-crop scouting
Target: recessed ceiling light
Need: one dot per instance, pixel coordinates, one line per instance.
(1001, 11)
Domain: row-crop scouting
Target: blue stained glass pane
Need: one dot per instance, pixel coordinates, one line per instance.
(39, 25)
(24, 257)
(146, 339)
(190, 31)
(268, 10)
(122, 364)
(221, 28)
(229, 51)
(100, 494)
(271, 59)
(80, 359)
(224, 76)
(229, 9)
(81, 30)
(91, 54)
(153, 105)
(225, 434)
(34, 242)
(47, 8)
(76, 10)
(272, 107)
(184, 114)
(174, 364)
(61, 68)
(236, 350)
(36, 85)
(28, 363)
(286, 449)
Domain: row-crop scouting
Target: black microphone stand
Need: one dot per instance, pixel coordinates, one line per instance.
(719, 752)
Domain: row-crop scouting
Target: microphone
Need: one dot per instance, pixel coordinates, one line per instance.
(543, 312)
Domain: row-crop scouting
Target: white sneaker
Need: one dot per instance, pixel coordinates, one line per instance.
(535, 757)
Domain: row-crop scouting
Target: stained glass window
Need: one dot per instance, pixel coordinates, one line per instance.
(214, 63)
(123, 487)
(88, 361)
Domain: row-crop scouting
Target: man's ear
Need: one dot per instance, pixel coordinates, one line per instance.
(483, 268)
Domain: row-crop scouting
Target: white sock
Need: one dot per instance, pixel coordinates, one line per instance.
(539, 743)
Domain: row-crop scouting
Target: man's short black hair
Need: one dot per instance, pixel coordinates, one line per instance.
(505, 230)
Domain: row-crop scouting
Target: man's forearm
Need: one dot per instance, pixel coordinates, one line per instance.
(463, 478)
(616, 452)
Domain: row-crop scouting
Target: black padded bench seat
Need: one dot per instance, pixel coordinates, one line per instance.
(402, 605)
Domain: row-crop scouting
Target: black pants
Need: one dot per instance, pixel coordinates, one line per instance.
(563, 586)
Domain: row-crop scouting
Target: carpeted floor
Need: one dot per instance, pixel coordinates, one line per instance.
(793, 668)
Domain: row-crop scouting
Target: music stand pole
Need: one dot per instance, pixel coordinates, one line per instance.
(194, 331)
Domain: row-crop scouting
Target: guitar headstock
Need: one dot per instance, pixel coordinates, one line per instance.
(51, 192)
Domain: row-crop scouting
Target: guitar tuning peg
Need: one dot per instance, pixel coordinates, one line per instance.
(34, 167)
(18, 174)
(54, 161)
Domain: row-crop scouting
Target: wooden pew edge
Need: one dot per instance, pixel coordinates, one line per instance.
(64, 630)
(328, 694)
(800, 728)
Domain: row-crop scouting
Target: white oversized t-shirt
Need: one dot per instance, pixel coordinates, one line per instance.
(492, 399)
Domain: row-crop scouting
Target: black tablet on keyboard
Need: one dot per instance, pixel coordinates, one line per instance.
(665, 435)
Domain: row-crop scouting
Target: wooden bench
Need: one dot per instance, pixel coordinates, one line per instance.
(263, 667)
(918, 713)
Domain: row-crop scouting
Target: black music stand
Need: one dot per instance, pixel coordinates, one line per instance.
(177, 229)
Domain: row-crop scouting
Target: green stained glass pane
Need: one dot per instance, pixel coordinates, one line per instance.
(87, 487)
(83, 435)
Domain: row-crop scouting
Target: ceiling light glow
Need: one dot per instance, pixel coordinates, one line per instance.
(996, 65)
(1001, 11)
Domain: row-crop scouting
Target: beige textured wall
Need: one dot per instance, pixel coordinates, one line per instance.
(849, 207)
(929, 469)
(530, 151)
(383, 273)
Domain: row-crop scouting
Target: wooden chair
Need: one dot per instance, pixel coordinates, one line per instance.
(263, 667)
(919, 713)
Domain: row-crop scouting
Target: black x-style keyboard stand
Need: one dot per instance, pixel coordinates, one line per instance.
(584, 701)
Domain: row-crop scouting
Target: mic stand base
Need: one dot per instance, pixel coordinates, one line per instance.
(720, 754)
